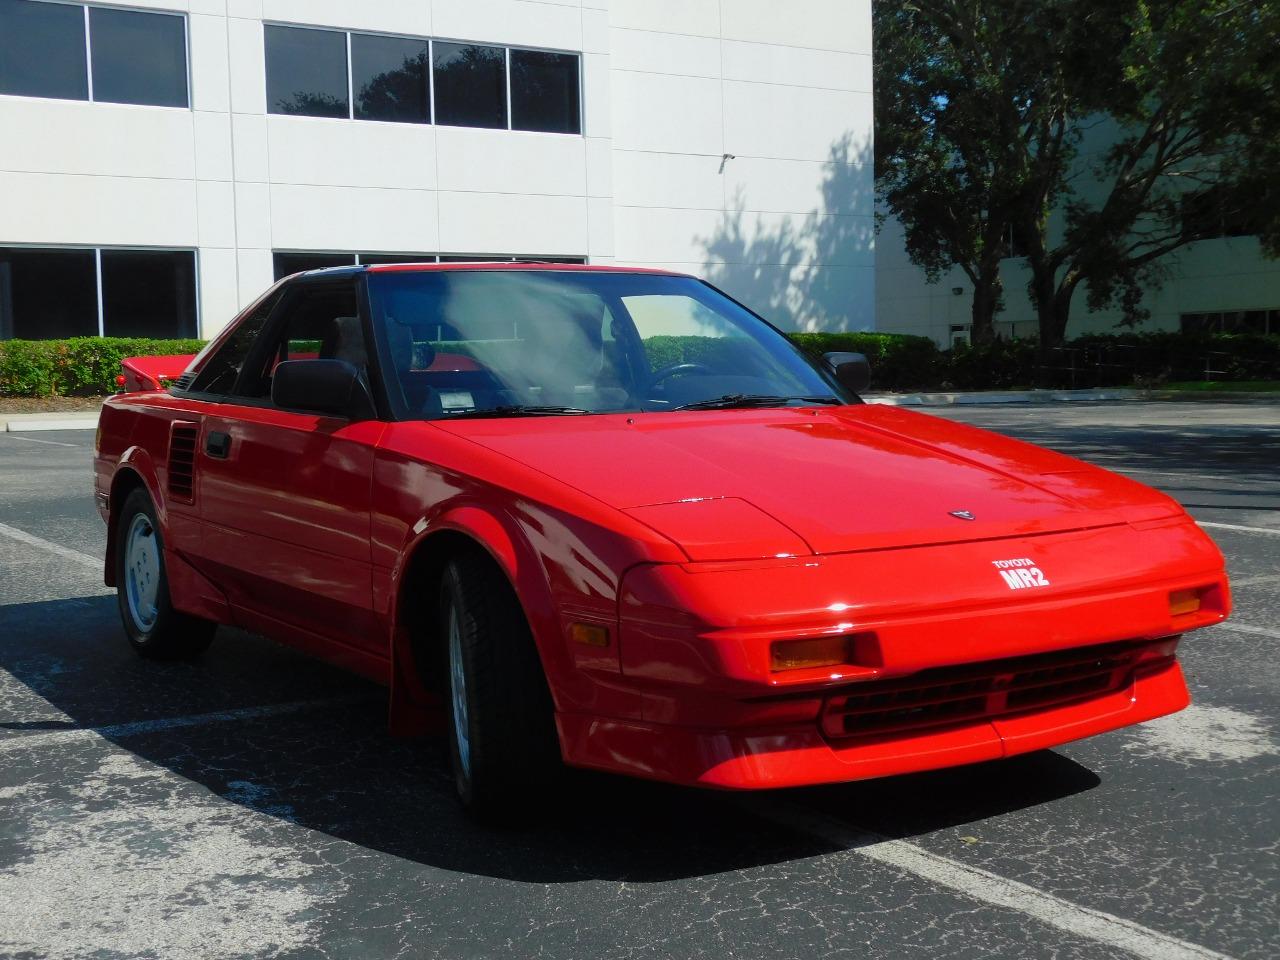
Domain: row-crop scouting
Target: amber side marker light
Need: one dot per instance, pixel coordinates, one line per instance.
(590, 634)
(819, 652)
(1183, 602)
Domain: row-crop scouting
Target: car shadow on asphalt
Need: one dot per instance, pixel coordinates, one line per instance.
(332, 767)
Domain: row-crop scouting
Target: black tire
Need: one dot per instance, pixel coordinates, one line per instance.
(503, 748)
(166, 634)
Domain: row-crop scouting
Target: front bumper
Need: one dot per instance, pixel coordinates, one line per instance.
(712, 712)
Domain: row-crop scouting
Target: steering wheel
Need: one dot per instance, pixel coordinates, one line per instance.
(672, 369)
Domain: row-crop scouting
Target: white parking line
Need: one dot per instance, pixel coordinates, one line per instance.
(52, 443)
(1254, 581)
(985, 886)
(1248, 628)
(45, 738)
(13, 533)
(1274, 531)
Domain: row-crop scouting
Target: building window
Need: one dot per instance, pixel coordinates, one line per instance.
(1212, 213)
(1232, 321)
(42, 50)
(316, 72)
(138, 57)
(391, 78)
(470, 84)
(307, 72)
(285, 264)
(544, 92)
(49, 294)
(72, 52)
(148, 293)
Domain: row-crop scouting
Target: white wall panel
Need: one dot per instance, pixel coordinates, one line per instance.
(358, 153)
(500, 161)
(249, 147)
(767, 120)
(646, 179)
(219, 293)
(409, 17)
(103, 139)
(504, 223)
(210, 80)
(212, 145)
(794, 66)
(799, 186)
(352, 218)
(821, 24)
(247, 56)
(253, 215)
(650, 52)
(215, 213)
(254, 273)
(669, 114)
(516, 22)
(696, 17)
(101, 210)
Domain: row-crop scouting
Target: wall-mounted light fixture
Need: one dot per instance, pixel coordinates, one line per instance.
(725, 158)
(957, 290)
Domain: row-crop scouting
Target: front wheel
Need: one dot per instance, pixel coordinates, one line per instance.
(154, 628)
(502, 739)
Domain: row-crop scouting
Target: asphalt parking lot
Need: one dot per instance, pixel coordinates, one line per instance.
(252, 804)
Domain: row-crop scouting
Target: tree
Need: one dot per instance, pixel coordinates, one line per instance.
(1004, 96)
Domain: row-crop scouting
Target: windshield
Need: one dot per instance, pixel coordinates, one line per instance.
(473, 343)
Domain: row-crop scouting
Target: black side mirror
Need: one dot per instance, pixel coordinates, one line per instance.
(851, 369)
(330, 387)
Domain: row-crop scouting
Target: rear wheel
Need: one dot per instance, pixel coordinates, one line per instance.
(502, 740)
(153, 627)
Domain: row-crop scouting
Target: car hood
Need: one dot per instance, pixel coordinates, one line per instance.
(742, 484)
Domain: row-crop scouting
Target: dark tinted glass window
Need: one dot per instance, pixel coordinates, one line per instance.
(320, 322)
(471, 85)
(306, 72)
(42, 50)
(474, 258)
(47, 294)
(287, 263)
(219, 373)
(389, 76)
(148, 293)
(397, 258)
(138, 57)
(544, 92)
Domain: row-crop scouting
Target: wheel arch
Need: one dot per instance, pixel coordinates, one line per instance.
(134, 472)
(416, 667)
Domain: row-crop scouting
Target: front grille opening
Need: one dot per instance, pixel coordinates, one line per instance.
(949, 695)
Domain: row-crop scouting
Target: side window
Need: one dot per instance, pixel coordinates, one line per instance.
(220, 373)
(321, 322)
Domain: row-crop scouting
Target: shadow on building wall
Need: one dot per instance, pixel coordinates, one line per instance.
(812, 271)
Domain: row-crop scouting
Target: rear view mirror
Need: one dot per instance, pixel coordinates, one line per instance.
(851, 369)
(330, 387)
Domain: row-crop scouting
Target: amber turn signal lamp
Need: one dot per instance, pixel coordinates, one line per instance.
(819, 652)
(591, 634)
(1183, 602)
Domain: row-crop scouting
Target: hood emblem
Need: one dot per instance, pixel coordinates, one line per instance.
(963, 514)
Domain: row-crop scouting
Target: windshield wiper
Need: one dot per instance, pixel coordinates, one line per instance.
(731, 400)
(517, 410)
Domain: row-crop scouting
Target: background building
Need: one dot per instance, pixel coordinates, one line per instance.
(162, 161)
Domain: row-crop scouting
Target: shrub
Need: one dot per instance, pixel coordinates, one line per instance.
(898, 361)
(80, 366)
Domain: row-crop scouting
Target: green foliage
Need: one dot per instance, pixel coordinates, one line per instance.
(80, 366)
(982, 113)
(898, 361)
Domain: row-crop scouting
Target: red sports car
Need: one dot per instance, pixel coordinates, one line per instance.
(610, 518)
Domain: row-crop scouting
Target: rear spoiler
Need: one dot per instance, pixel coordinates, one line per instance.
(151, 373)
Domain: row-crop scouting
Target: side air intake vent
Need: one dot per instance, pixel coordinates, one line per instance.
(182, 460)
(184, 382)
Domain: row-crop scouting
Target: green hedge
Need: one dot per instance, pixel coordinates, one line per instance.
(89, 365)
(81, 366)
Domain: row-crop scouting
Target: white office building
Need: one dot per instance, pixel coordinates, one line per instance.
(162, 161)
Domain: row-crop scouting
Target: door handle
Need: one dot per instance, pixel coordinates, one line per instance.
(217, 444)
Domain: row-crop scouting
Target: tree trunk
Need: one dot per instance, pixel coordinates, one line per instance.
(1053, 311)
(986, 301)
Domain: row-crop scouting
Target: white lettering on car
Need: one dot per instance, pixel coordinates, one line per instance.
(1020, 573)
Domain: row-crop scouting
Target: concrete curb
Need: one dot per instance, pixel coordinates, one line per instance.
(989, 397)
(32, 422)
